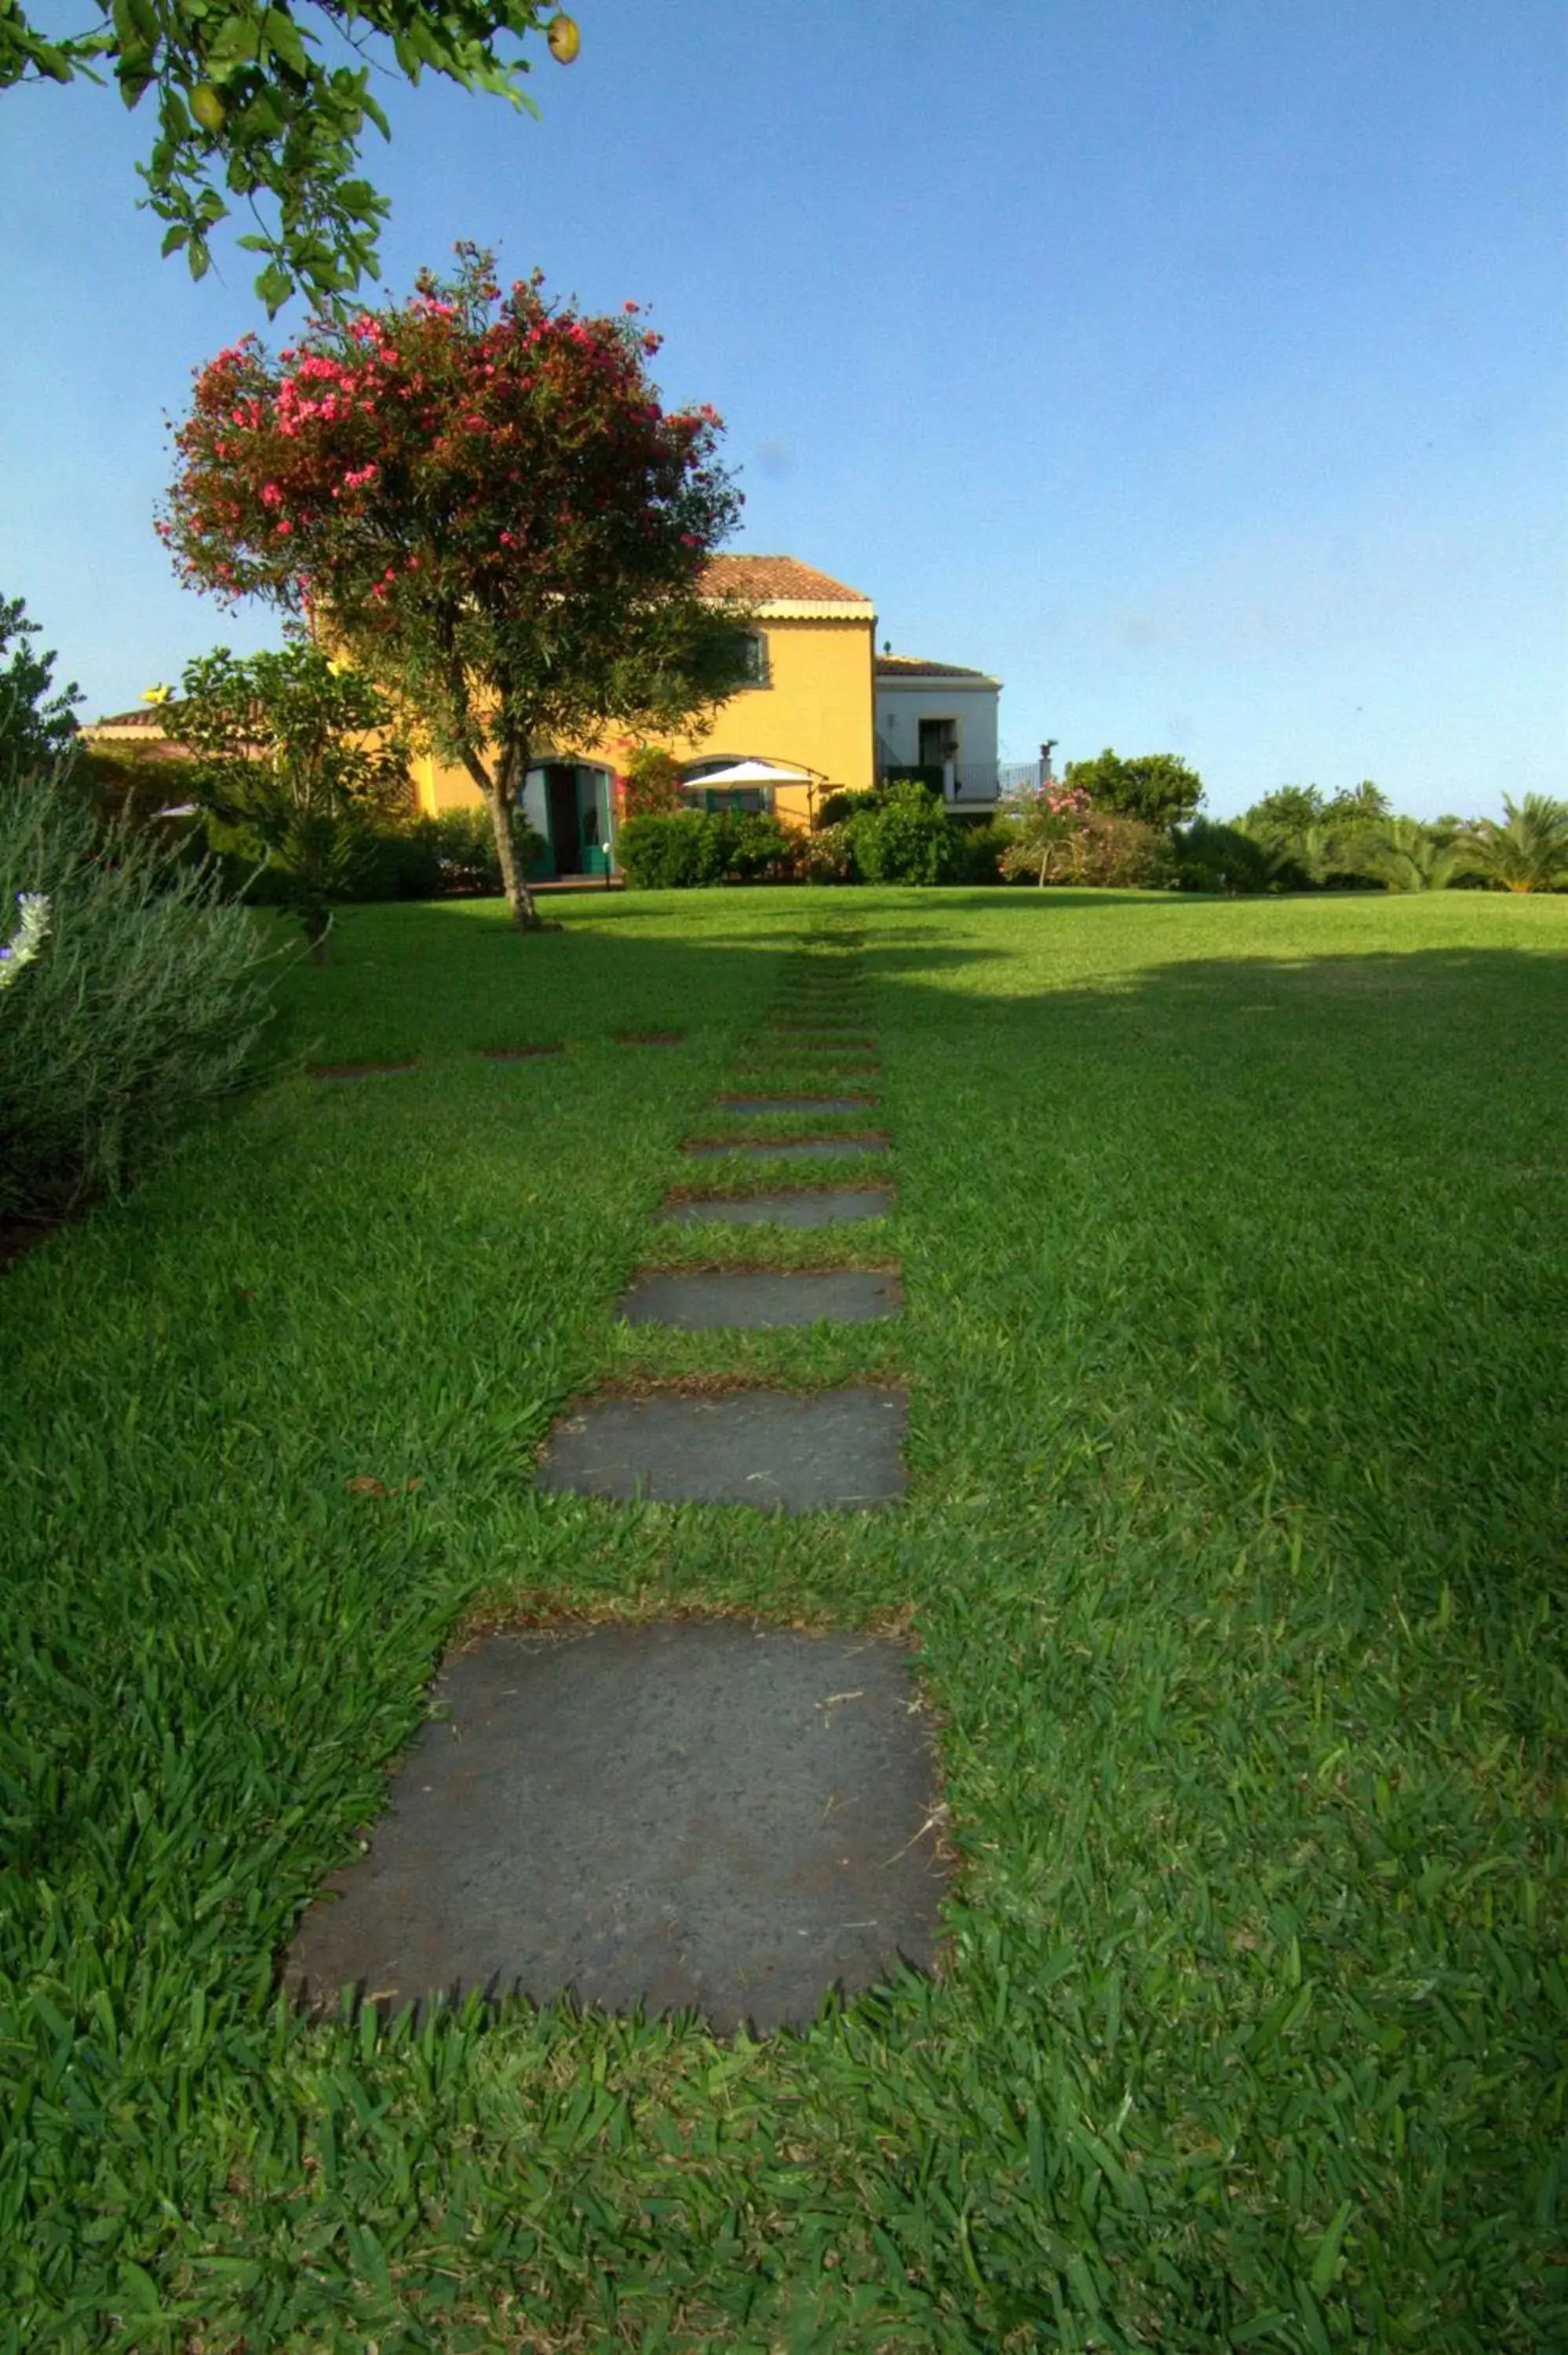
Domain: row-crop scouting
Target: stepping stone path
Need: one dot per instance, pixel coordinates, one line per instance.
(797, 1104)
(756, 1298)
(730, 1818)
(822, 1208)
(695, 1816)
(837, 1451)
(816, 1148)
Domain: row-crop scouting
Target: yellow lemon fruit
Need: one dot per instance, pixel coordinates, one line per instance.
(208, 107)
(564, 37)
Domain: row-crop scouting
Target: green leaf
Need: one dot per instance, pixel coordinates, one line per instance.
(1326, 2264)
(283, 38)
(274, 285)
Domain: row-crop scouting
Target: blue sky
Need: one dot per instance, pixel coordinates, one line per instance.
(1196, 365)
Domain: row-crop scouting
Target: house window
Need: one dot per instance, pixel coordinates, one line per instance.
(751, 657)
(725, 800)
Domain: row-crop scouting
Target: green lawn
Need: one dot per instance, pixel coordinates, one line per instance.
(1232, 1240)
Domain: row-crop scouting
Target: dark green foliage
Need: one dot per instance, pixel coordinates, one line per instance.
(300, 755)
(837, 808)
(1342, 844)
(143, 1005)
(690, 849)
(1211, 856)
(36, 717)
(905, 836)
(1158, 789)
(1527, 851)
(978, 850)
(135, 783)
(450, 856)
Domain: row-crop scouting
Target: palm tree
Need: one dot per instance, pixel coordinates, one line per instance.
(1529, 851)
(1408, 857)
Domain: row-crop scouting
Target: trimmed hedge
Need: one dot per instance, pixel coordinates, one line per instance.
(684, 851)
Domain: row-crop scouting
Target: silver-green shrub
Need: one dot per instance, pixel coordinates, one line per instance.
(140, 1003)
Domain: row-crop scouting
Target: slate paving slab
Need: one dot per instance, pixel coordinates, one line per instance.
(795, 1103)
(704, 1300)
(822, 1208)
(831, 1451)
(720, 1817)
(807, 1148)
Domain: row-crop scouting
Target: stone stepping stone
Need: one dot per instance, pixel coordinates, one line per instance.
(650, 1037)
(713, 1816)
(833, 1451)
(757, 1300)
(823, 1208)
(750, 1104)
(807, 1148)
(335, 1073)
(809, 1036)
(521, 1054)
(817, 1022)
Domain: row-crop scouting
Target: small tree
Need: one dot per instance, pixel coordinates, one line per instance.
(1157, 788)
(300, 754)
(482, 501)
(36, 718)
(1048, 825)
(1285, 814)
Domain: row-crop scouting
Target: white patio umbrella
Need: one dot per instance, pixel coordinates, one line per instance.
(754, 772)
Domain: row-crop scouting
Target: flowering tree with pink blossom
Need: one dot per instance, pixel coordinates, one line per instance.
(1049, 832)
(478, 498)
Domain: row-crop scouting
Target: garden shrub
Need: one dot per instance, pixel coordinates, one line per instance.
(1211, 856)
(838, 808)
(827, 855)
(978, 850)
(143, 1003)
(1061, 837)
(688, 851)
(905, 837)
(651, 785)
(664, 853)
(451, 856)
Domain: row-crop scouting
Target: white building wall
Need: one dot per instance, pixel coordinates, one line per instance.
(971, 707)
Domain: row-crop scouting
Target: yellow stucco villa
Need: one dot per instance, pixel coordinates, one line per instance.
(821, 711)
(801, 726)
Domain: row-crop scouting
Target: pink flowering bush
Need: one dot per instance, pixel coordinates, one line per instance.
(477, 495)
(1060, 837)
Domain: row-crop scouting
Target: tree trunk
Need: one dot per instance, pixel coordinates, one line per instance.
(500, 787)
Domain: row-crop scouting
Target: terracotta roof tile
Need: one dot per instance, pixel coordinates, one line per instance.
(911, 667)
(149, 716)
(767, 579)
